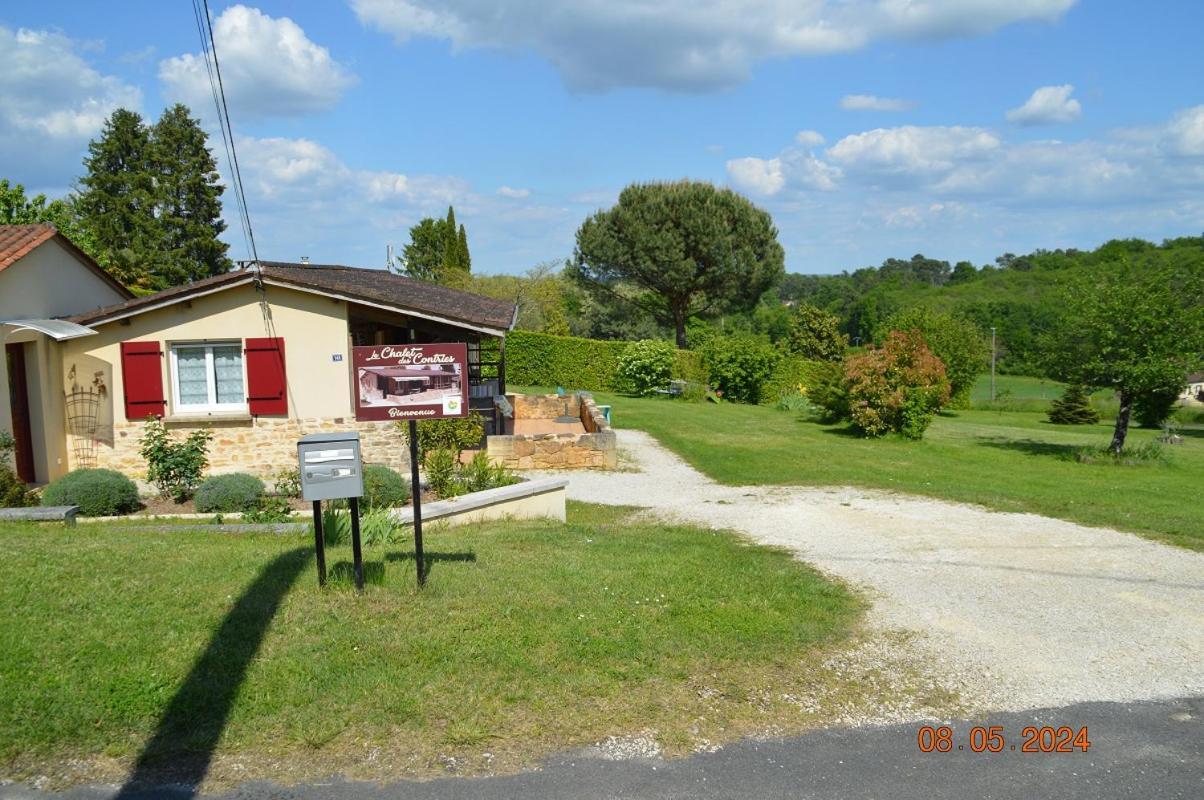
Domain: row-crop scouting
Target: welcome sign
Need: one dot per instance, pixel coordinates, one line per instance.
(410, 381)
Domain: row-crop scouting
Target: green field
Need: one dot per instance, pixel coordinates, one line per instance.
(530, 637)
(1006, 460)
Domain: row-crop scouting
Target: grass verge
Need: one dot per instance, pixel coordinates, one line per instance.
(531, 637)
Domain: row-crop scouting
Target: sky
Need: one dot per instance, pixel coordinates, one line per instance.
(868, 129)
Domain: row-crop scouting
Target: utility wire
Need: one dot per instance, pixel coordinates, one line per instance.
(218, 91)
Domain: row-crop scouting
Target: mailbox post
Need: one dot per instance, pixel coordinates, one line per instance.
(332, 469)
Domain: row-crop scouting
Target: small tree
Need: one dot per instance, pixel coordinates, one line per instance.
(646, 366)
(895, 388)
(693, 249)
(174, 467)
(815, 334)
(1135, 325)
(957, 342)
(1073, 408)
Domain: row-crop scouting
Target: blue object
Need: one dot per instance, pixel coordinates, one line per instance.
(560, 391)
(605, 413)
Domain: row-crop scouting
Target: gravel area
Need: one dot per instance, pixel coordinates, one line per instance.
(1015, 611)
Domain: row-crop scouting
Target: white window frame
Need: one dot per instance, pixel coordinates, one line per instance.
(212, 406)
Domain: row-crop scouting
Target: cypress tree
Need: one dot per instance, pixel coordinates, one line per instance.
(465, 258)
(117, 196)
(188, 197)
(1073, 408)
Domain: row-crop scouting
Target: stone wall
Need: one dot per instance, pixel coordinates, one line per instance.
(259, 446)
(597, 448)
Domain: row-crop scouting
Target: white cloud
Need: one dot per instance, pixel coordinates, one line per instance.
(757, 176)
(514, 194)
(869, 102)
(912, 152)
(1185, 133)
(269, 67)
(1049, 105)
(685, 45)
(809, 138)
(51, 103)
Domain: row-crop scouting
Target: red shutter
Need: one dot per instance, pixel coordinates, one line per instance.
(266, 386)
(142, 380)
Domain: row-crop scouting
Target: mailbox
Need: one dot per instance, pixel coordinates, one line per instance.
(331, 466)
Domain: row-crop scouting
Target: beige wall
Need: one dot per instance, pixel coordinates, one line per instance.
(314, 329)
(48, 282)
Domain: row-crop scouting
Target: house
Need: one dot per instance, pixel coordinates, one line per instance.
(260, 356)
(43, 277)
(1195, 388)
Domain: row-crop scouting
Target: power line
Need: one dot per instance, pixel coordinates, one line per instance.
(218, 90)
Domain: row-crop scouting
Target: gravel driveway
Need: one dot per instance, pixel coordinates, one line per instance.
(1014, 610)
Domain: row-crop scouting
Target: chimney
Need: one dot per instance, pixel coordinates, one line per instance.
(305, 260)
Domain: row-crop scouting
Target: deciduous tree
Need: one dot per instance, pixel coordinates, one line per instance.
(1135, 325)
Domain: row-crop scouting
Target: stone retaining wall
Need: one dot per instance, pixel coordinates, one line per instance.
(260, 446)
(596, 448)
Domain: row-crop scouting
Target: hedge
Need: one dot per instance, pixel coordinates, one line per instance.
(541, 359)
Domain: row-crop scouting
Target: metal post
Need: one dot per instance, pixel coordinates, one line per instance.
(416, 489)
(319, 543)
(992, 364)
(356, 553)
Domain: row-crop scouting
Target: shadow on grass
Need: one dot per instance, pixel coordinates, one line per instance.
(182, 747)
(1032, 447)
(431, 557)
(847, 431)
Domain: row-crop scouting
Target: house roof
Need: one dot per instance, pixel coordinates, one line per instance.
(18, 241)
(371, 286)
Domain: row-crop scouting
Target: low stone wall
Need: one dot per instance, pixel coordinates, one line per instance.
(596, 448)
(260, 446)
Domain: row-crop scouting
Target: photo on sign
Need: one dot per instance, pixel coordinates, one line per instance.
(390, 387)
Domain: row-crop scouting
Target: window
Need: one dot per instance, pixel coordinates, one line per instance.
(208, 377)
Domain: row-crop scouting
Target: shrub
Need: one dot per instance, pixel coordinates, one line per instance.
(174, 467)
(384, 487)
(897, 387)
(97, 492)
(828, 393)
(796, 376)
(287, 482)
(739, 366)
(377, 527)
(815, 334)
(236, 491)
(645, 367)
(269, 509)
(957, 342)
(13, 493)
(1152, 408)
(441, 472)
(457, 434)
(481, 474)
(1073, 408)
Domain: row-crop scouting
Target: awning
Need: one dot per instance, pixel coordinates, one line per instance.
(57, 329)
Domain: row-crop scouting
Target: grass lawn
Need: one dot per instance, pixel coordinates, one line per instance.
(530, 637)
(1006, 460)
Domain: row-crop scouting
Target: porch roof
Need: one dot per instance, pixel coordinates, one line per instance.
(57, 329)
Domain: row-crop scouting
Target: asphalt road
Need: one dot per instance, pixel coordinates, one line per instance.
(1138, 750)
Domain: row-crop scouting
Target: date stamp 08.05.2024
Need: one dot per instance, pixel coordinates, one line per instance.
(993, 739)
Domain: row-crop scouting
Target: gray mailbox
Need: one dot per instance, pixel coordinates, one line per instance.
(331, 466)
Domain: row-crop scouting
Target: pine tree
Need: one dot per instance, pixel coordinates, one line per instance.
(117, 198)
(451, 247)
(1073, 408)
(188, 199)
(438, 251)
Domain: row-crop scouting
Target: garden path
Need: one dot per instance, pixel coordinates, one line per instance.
(1014, 611)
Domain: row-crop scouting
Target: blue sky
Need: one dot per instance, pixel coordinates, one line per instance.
(868, 128)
